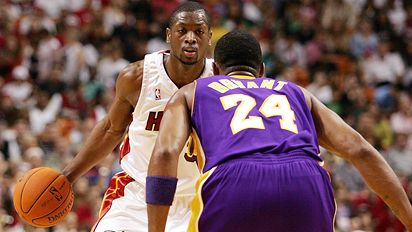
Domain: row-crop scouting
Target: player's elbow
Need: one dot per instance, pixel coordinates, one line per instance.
(163, 162)
(165, 154)
(109, 128)
(359, 149)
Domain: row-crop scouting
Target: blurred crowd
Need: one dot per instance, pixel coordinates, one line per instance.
(59, 61)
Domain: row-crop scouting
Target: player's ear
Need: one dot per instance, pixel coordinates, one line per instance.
(168, 34)
(210, 37)
(261, 71)
(216, 70)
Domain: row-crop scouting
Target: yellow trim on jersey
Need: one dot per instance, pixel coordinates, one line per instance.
(197, 202)
(198, 151)
(243, 77)
(193, 99)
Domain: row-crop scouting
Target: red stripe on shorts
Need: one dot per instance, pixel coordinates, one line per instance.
(114, 191)
(124, 148)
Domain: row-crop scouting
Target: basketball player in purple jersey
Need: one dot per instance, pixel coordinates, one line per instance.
(258, 144)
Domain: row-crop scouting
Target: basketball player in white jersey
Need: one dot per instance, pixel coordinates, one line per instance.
(142, 91)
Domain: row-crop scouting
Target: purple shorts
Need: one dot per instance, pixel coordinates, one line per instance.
(282, 194)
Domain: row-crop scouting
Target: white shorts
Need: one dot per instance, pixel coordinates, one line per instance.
(124, 208)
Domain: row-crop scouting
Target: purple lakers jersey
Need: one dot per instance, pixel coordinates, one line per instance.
(237, 116)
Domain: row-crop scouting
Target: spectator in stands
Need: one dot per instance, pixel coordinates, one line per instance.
(383, 68)
(20, 88)
(110, 65)
(399, 156)
(44, 111)
(401, 119)
(364, 41)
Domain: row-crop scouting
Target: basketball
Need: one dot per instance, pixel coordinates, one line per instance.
(43, 197)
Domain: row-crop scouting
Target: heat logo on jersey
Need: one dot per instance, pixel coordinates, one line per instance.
(153, 124)
(153, 121)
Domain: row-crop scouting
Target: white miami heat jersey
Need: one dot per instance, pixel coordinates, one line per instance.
(156, 90)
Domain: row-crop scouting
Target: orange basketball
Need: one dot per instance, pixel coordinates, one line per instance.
(43, 197)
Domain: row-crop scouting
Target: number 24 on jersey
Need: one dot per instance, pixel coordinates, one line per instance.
(274, 105)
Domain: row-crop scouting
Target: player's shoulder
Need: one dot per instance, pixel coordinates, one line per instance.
(308, 96)
(135, 69)
(132, 71)
(129, 81)
(131, 76)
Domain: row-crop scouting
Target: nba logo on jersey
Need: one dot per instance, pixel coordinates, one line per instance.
(157, 94)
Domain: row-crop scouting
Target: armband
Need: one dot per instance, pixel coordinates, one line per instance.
(160, 190)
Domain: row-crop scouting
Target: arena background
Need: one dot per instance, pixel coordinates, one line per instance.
(59, 61)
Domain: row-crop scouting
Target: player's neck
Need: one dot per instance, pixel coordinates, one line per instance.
(180, 73)
(240, 73)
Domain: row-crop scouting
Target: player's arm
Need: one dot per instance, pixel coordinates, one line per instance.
(108, 132)
(339, 138)
(161, 176)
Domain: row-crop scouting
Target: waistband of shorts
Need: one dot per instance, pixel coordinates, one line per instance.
(276, 159)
